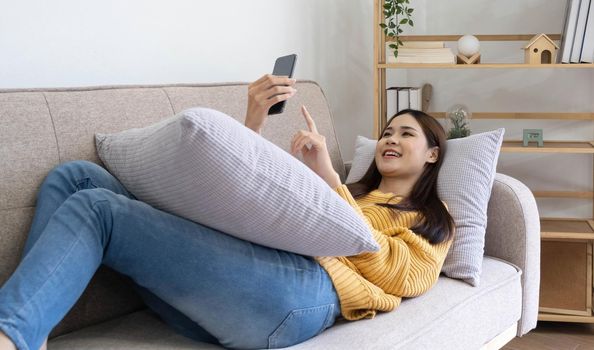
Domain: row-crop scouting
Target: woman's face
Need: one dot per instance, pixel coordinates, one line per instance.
(405, 136)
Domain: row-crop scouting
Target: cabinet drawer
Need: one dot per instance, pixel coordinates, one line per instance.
(566, 277)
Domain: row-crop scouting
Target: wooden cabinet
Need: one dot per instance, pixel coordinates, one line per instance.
(566, 274)
(566, 256)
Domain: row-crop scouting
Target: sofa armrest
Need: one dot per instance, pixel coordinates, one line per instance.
(513, 234)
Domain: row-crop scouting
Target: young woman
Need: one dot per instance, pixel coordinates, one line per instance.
(213, 287)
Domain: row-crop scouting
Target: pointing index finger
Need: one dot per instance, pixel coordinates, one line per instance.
(309, 120)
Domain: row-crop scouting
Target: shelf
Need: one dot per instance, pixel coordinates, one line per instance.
(549, 147)
(485, 37)
(480, 37)
(486, 65)
(565, 318)
(563, 230)
(526, 115)
(564, 194)
(566, 228)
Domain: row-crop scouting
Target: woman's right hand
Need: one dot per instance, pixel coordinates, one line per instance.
(262, 94)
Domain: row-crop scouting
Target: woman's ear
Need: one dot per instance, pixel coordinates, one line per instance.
(433, 154)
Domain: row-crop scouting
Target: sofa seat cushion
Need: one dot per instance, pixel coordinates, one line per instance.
(451, 315)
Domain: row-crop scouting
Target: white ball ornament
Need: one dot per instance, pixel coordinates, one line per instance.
(468, 45)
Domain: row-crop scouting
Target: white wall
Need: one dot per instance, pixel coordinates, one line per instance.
(515, 90)
(79, 43)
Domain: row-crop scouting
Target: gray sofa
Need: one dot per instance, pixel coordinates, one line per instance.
(41, 128)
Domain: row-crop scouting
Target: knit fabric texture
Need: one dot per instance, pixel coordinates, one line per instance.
(205, 166)
(407, 265)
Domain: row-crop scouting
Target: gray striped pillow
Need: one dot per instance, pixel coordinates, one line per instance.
(204, 165)
(465, 181)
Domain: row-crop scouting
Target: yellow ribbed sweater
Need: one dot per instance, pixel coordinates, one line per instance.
(406, 265)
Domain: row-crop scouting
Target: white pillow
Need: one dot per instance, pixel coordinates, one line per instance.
(465, 181)
(204, 165)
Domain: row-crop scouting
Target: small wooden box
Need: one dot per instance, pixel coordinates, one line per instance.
(566, 277)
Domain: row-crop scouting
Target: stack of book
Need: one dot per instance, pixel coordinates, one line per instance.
(577, 39)
(399, 98)
(422, 52)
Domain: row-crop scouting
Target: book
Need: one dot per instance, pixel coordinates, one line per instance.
(391, 102)
(587, 54)
(434, 55)
(422, 44)
(569, 30)
(414, 98)
(580, 29)
(564, 31)
(424, 52)
(403, 102)
(399, 98)
(448, 60)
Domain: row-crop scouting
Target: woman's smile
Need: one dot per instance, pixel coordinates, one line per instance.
(390, 153)
(387, 156)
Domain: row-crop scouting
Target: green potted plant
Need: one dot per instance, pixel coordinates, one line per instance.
(457, 121)
(396, 14)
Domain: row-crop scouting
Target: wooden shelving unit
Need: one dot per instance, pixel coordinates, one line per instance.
(564, 194)
(566, 228)
(549, 147)
(567, 243)
(543, 316)
(483, 65)
(525, 115)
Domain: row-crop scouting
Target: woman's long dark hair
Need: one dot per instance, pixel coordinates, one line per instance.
(435, 222)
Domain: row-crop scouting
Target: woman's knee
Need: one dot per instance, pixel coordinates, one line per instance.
(100, 202)
(78, 175)
(97, 206)
(90, 196)
(82, 167)
(71, 171)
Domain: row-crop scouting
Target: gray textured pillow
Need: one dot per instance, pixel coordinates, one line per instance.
(203, 165)
(465, 181)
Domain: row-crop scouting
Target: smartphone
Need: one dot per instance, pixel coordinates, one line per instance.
(284, 65)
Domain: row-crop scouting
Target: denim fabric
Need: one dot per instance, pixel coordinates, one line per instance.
(207, 285)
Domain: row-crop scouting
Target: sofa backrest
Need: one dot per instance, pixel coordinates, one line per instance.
(41, 128)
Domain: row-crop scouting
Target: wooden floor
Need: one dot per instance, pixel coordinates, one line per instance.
(555, 336)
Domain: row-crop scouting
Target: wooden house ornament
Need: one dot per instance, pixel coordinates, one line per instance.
(540, 50)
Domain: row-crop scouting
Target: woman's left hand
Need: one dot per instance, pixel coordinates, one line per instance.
(315, 157)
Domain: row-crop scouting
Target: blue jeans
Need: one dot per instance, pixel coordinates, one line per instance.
(205, 284)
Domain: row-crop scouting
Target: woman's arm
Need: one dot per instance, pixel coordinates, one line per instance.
(406, 265)
(263, 94)
(316, 155)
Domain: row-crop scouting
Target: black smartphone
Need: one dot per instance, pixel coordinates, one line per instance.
(284, 65)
